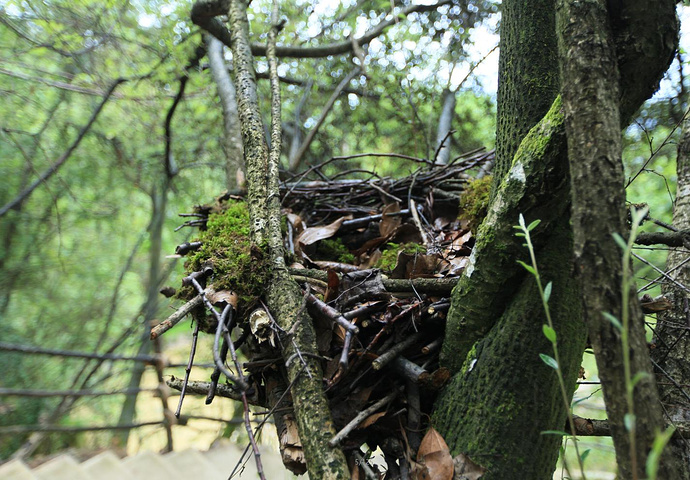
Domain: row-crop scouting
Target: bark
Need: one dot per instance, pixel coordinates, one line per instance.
(445, 124)
(504, 396)
(283, 295)
(531, 180)
(232, 139)
(527, 73)
(671, 339)
(591, 91)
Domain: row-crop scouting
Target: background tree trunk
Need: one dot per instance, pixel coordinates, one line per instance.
(445, 125)
(232, 140)
(671, 336)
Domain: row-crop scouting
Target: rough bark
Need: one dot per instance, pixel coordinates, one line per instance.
(504, 397)
(591, 93)
(232, 139)
(527, 75)
(671, 337)
(283, 295)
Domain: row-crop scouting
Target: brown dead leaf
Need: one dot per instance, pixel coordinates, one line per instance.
(434, 454)
(466, 469)
(371, 419)
(389, 223)
(332, 288)
(314, 234)
(432, 442)
(415, 265)
(222, 296)
(296, 222)
(406, 233)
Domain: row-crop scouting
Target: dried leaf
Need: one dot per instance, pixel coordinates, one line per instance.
(314, 234)
(332, 288)
(415, 265)
(222, 296)
(432, 442)
(389, 223)
(434, 454)
(371, 419)
(466, 469)
(297, 223)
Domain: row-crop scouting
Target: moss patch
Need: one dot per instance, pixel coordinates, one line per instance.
(227, 249)
(333, 249)
(389, 258)
(475, 201)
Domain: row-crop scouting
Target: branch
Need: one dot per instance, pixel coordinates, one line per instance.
(10, 347)
(438, 286)
(175, 318)
(14, 429)
(671, 239)
(203, 13)
(297, 159)
(202, 389)
(19, 199)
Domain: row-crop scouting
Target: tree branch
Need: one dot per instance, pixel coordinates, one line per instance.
(203, 13)
(21, 198)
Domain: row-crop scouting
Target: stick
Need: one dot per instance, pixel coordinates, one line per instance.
(176, 317)
(361, 416)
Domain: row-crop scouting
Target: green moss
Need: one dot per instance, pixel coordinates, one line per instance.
(389, 258)
(226, 247)
(475, 201)
(333, 249)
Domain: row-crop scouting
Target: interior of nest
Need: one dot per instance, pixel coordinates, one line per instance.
(376, 259)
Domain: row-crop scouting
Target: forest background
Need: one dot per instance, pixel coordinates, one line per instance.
(83, 257)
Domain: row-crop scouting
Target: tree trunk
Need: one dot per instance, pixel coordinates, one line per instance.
(283, 296)
(232, 140)
(159, 200)
(504, 397)
(591, 93)
(671, 338)
(527, 74)
(445, 124)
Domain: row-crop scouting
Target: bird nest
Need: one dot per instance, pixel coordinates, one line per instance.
(376, 259)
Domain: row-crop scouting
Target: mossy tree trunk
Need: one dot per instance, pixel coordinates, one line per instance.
(501, 397)
(283, 294)
(504, 396)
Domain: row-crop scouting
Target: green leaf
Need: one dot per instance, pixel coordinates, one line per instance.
(519, 234)
(547, 292)
(527, 267)
(660, 441)
(629, 422)
(550, 361)
(549, 333)
(614, 321)
(585, 454)
(619, 240)
(533, 225)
